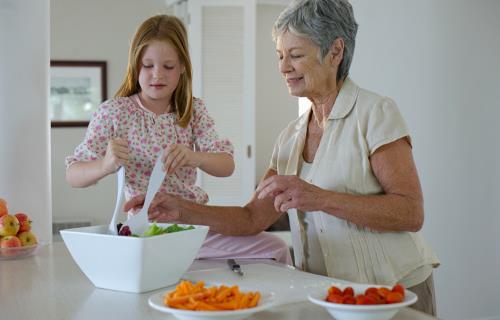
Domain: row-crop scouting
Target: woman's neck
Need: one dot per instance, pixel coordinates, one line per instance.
(322, 104)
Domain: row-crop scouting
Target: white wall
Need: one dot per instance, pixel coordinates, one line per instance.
(275, 108)
(439, 61)
(24, 134)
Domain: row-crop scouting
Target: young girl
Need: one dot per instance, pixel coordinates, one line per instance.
(154, 110)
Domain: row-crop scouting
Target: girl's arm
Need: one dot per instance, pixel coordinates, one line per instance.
(86, 173)
(82, 174)
(213, 155)
(219, 164)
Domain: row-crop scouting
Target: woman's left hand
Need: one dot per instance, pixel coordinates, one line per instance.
(163, 208)
(176, 156)
(290, 192)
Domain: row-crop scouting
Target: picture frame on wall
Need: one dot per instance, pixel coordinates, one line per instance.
(77, 88)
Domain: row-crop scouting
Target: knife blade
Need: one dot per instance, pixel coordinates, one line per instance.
(236, 268)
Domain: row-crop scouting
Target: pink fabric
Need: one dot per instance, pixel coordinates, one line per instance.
(261, 246)
(148, 133)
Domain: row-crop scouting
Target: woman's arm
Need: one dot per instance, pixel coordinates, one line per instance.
(400, 208)
(82, 174)
(251, 219)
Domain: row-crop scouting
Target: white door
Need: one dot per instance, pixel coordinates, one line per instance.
(222, 46)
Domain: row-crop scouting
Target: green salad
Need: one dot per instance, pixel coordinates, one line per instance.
(155, 229)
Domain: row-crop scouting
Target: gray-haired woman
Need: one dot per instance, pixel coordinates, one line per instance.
(343, 171)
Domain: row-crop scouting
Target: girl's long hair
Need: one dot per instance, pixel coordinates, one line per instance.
(162, 28)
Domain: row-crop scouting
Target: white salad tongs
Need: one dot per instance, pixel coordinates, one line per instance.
(139, 223)
(119, 195)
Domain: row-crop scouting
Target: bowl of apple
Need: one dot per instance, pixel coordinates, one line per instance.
(134, 263)
(9, 250)
(17, 240)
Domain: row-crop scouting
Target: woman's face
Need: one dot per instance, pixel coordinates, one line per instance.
(159, 73)
(305, 74)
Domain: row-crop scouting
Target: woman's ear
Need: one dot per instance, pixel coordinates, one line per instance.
(336, 53)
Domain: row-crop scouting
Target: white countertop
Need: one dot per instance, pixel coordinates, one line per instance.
(50, 285)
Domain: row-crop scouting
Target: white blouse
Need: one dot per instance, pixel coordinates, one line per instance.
(360, 122)
(313, 257)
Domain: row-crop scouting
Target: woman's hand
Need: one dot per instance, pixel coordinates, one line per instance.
(176, 156)
(290, 192)
(117, 154)
(163, 208)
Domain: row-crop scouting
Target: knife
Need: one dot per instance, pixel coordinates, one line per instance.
(234, 266)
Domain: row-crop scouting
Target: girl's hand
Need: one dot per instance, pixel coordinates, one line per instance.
(176, 156)
(116, 155)
(290, 192)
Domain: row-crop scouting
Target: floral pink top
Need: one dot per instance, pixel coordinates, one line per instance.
(148, 133)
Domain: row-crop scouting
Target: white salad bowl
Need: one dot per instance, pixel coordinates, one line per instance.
(133, 264)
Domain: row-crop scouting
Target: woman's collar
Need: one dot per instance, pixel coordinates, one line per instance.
(342, 106)
(345, 100)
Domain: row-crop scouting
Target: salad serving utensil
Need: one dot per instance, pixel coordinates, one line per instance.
(139, 222)
(119, 196)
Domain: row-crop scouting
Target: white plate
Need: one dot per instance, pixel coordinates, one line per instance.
(361, 312)
(267, 300)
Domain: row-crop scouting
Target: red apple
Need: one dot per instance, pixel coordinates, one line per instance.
(9, 225)
(8, 245)
(24, 222)
(10, 242)
(3, 207)
(27, 238)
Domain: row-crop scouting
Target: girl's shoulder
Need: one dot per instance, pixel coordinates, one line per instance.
(198, 108)
(116, 105)
(198, 104)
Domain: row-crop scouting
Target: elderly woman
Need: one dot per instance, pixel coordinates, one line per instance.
(343, 171)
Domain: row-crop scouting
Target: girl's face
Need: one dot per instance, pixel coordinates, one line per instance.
(305, 74)
(159, 73)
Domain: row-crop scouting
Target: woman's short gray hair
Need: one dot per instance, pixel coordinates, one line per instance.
(322, 21)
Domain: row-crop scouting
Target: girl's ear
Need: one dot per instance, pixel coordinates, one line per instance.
(336, 53)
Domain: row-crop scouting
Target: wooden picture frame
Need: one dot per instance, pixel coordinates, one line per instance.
(77, 88)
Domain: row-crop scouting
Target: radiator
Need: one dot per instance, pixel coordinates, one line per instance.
(61, 225)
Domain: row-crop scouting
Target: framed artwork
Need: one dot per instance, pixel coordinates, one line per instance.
(77, 88)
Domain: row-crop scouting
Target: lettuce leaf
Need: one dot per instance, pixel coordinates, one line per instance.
(155, 229)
